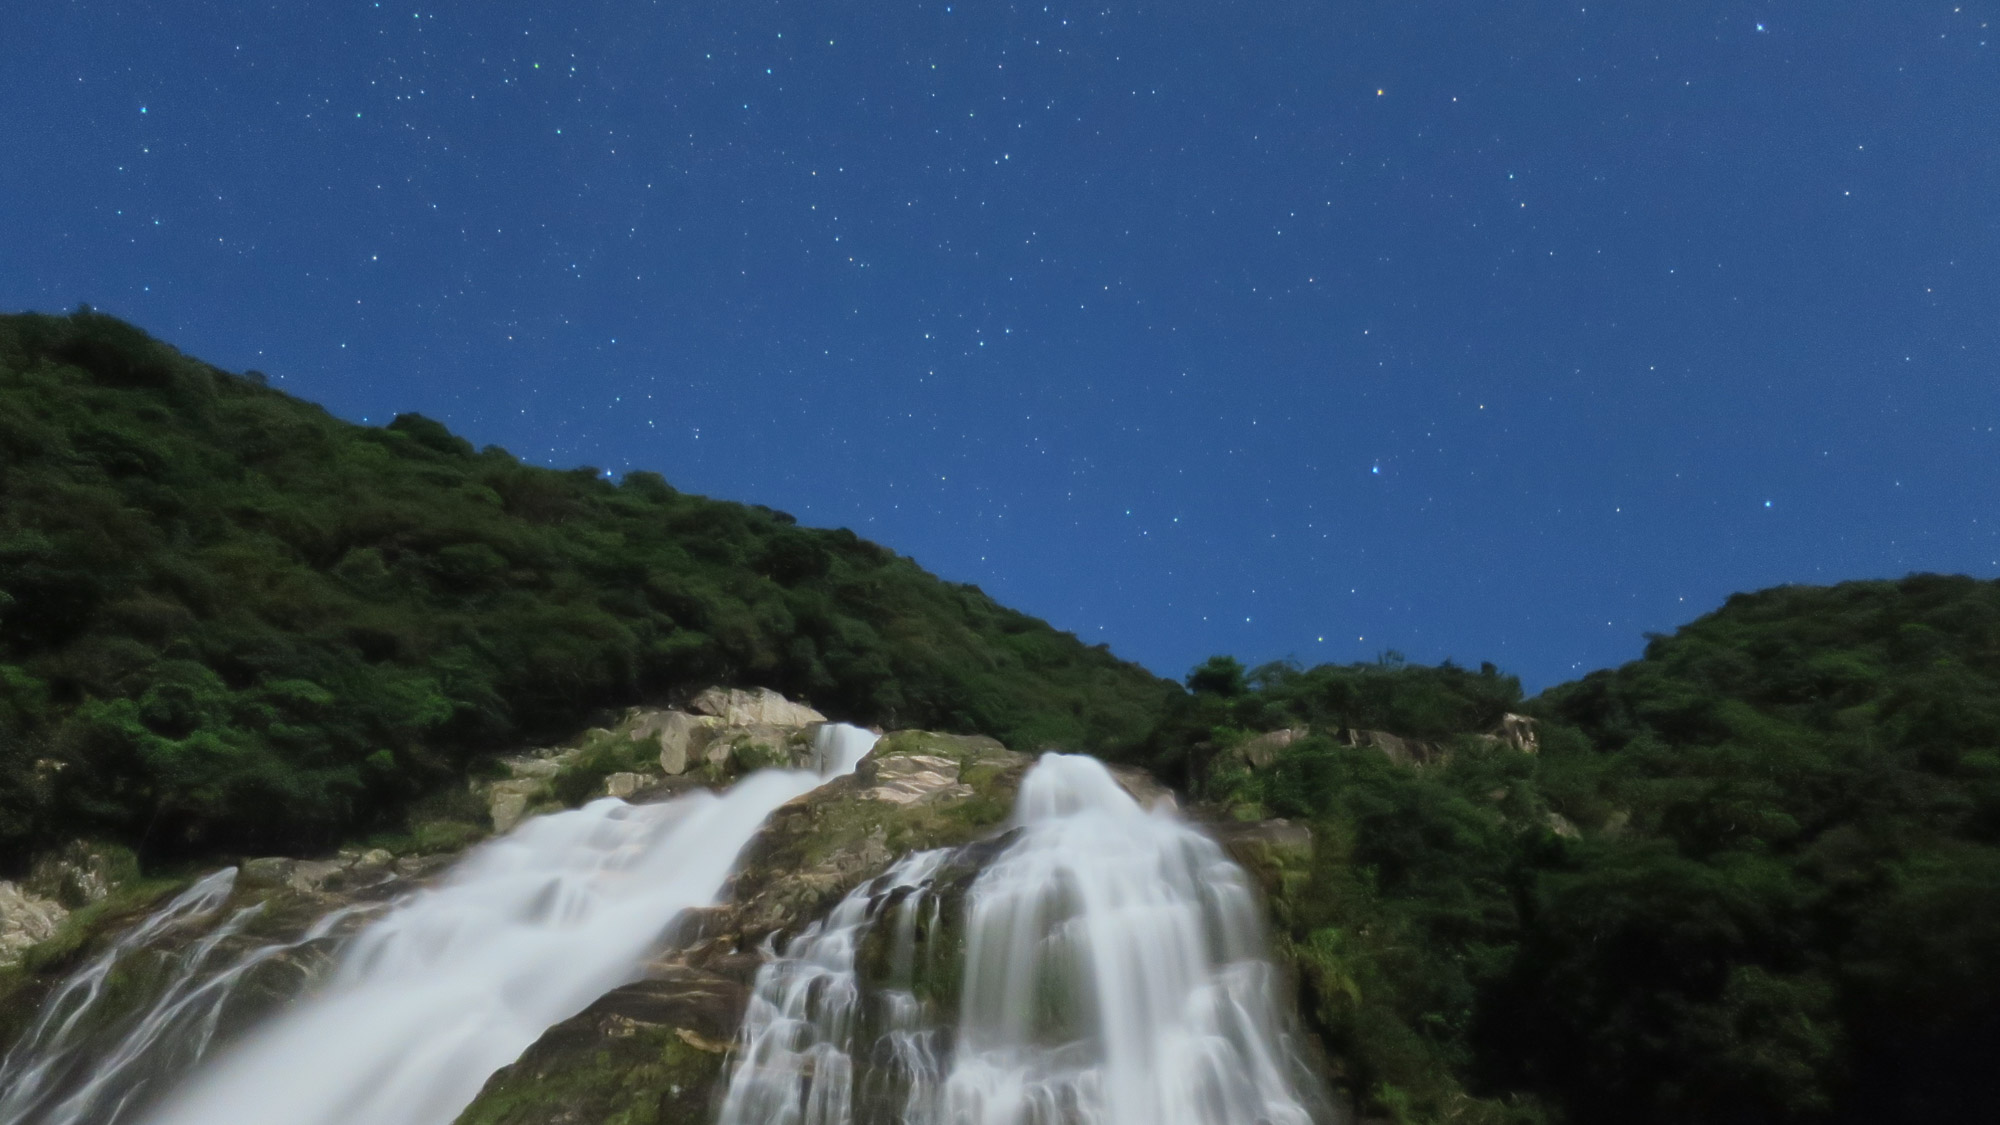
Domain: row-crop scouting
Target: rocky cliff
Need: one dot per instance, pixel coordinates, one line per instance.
(651, 1051)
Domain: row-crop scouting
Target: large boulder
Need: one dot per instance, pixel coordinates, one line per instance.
(734, 750)
(1278, 852)
(755, 707)
(648, 1052)
(914, 790)
(672, 732)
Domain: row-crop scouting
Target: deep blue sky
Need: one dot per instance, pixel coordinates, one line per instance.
(1487, 330)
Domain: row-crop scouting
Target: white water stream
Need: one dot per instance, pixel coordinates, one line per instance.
(81, 1064)
(1105, 967)
(455, 982)
(1114, 974)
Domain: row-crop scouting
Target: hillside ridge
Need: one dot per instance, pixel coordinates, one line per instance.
(231, 620)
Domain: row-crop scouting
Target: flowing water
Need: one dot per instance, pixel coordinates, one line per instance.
(1112, 972)
(90, 1056)
(423, 1003)
(526, 931)
(795, 1053)
(1099, 964)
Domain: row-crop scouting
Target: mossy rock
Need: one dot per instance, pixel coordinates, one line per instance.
(651, 1053)
(965, 749)
(816, 849)
(137, 980)
(654, 1053)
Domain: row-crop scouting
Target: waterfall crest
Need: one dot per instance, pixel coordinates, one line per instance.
(456, 981)
(1112, 972)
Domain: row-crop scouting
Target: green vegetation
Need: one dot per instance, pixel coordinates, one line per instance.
(230, 621)
(643, 1075)
(1752, 877)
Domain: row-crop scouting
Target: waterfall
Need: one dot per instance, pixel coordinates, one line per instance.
(1113, 972)
(455, 981)
(795, 1048)
(86, 1061)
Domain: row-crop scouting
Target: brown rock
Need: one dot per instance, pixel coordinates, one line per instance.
(1259, 752)
(906, 779)
(26, 918)
(672, 731)
(755, 707)
(1518, 731)
(1144, 788)
(1403, 751)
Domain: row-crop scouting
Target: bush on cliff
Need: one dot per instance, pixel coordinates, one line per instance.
(1754, 876)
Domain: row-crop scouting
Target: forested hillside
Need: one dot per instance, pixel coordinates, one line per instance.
(230, 620)
(1752, 877)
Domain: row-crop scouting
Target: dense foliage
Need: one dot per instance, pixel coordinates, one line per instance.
(230, 620)
(1754, 876)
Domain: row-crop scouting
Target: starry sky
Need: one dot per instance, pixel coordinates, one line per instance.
(1475, 329)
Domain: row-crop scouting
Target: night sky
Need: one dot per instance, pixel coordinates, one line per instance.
(1493, 330)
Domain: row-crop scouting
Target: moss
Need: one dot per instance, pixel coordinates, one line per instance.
(117, 910)
(841, 827)
(67, 878)
(640, 1075)
(749, 753)
(965, 749)
(582, 778)
(429, 837)
(23, 985)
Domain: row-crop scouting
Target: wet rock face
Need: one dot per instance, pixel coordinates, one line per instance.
(655, 1051)
(272, 928)
(916, 790)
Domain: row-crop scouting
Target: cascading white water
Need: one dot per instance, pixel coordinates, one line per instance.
(81, 1065)
(458, 980)
(795, 1063)
(1114, 973)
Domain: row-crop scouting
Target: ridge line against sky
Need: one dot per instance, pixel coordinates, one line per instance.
(1282, 329)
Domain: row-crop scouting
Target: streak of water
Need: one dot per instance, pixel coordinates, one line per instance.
(458, 980)
(1113, 974)
(796, 1062)
(36, 1071)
